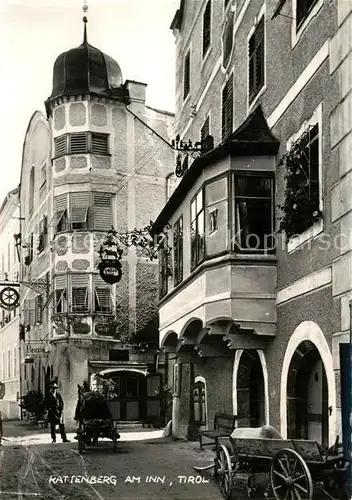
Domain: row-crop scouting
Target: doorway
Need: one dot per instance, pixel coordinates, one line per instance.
(307, 390)
(199, 404)
(250, 390)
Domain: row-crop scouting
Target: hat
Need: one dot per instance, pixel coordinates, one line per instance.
(54, 385)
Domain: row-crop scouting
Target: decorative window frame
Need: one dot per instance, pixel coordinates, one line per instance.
(318, 227)
(258, 18)
(296, 34)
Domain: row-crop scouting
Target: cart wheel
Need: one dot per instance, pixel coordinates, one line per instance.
(290, 476)
(223, 471)
(80, 443)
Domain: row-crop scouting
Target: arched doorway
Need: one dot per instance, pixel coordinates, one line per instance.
(200, 402)
(307, 395)
(250, 390)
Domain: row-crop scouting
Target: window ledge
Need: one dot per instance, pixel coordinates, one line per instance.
(296, 34)
(316, 229)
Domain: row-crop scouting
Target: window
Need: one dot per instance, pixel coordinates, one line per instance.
(227, 108)
(256, 54)
(102, 299)
(61, 300)
(102, 211)
(29, 312)
(79, 284)
(303, 9)
(163, 273)
(60, 208)
(31, 190)
(43, 234)
(79, 218)
(178, 251)
(206, 27)
(29, 255)
(100, 144)
(254, 212)
(204, 131)
(186, 74)
(60, 145)
(197, 230)
(227, 39)
(78, 143)
(216, 216)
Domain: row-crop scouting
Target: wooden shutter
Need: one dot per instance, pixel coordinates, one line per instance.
(103, 298)
(79, 205)
(227, 108)
(60, 145)
(102, 211)
(256, 51)
(78, 143)
(31, 318)
(26, 312)
(186, 75)
(60, 208)
(79, 285)
(100, 144)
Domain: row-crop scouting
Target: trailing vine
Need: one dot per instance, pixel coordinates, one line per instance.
(299, 209)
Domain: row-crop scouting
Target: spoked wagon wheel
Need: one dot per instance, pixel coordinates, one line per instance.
(223, 471)
(290, 477)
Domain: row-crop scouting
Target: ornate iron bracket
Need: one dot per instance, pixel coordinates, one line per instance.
(195, 150)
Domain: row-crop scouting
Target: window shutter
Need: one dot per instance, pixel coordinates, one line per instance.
(60, 282)
(60, 207)
(31, 312)
(78, 143)
(100, 144)
(79, 205)
(102, 211)
(60, 145)
(204, 130)
(227, 108)
(79, 283)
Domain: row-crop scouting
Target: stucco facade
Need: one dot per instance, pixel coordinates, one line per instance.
(299, 294)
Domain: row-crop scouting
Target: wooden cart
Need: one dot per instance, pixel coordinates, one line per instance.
(298, 469)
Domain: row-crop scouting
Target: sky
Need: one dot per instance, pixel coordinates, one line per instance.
(34, 32)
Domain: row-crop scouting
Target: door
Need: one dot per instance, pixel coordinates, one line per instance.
(346, 398)
(153, 396)
(199, 403)
(130, 402)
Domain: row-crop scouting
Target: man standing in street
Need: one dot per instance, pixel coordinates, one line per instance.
(55, 407)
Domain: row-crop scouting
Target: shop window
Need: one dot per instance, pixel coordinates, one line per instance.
(178, 251)
(227, 109)
(256, 61)
(254, 212)
(197, 230)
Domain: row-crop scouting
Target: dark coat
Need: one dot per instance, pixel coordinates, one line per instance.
(55, 406)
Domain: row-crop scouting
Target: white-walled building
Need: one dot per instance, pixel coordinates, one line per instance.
(9, 318)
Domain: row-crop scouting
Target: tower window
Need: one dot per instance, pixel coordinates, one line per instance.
(78, 143)
(60, 145)
(100, 144)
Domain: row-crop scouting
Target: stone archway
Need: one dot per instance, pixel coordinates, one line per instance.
(309, 331)
(307, 395)
(250, 390)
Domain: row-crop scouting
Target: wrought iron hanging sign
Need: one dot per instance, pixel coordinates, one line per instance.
(194, 150)
(9, 298)
(110, 254)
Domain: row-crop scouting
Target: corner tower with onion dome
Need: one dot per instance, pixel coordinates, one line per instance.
(99, 159)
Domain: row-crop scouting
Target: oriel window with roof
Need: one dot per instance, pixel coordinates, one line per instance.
(256, 61)
(207, 27)
(197, 230)
(178, 251)
(253, 212)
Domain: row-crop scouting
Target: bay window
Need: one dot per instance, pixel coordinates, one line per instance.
(197, 230)
(253, 212)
